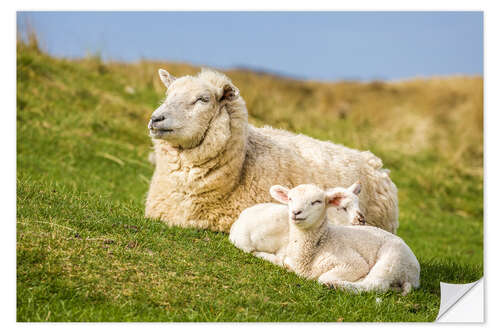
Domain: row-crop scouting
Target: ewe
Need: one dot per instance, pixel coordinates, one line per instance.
(211, 164)
(347, 257)
(263, 229)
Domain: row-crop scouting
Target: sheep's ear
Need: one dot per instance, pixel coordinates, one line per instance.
(279, 193)
(355, 188)
(334, 198)
(229, 93)
(166, 78)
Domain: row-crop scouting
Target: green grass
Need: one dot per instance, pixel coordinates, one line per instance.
(85, 252)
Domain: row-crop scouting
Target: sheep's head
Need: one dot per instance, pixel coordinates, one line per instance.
(307, 203)
(346, 200)
(190, 105)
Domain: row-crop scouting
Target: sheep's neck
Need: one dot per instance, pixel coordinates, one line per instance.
(214, 161)
(303, 243)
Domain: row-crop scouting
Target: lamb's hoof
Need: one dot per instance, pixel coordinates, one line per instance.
(343, 286)
(336, 285)
(406, 289)
(288, 264)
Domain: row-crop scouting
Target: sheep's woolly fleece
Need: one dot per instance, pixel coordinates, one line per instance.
(214, 164)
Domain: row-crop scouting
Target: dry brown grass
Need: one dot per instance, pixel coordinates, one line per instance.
(440, 114)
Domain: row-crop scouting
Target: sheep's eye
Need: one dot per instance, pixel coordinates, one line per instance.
(316, 202)
(345, 209)
(202, 99)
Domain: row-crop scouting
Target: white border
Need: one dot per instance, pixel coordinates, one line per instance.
(492, 165)
(259, 5)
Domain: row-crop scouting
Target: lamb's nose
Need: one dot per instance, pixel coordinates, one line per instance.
(296, 212)
(361, 219)
(156, 119)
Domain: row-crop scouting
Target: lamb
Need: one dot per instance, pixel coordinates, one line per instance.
(263, 229)
(210, 164)
(345, 257)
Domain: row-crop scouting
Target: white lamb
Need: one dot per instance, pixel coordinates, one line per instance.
(263, 229)
(346, 257)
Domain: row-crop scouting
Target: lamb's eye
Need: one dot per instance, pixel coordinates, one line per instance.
(345, 209)
(316, 202)
(203, 99)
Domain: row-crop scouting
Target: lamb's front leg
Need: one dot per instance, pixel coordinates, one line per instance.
(273, 258)
(288, 263)
(341, 275)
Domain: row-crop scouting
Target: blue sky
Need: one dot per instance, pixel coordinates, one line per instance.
(310, 45)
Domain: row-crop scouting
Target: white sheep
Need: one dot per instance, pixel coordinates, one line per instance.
(263, 229)
(211, 164)
(346, 257)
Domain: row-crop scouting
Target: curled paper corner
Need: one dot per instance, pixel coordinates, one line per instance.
(462, 303)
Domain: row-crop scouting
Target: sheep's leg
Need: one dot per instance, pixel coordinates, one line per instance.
(357, 287)
(288, 264)
(340, 276)
(379, 278)
(365, 284)
(406, 288)
(269, 257)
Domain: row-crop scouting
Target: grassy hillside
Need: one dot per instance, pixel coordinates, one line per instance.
(86, 253)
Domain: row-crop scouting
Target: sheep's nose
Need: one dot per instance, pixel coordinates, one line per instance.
(296, 212)
(156, 119)
(360, 219)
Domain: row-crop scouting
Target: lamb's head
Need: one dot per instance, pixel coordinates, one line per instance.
(307, 203)
(191, 103)
(346, 200)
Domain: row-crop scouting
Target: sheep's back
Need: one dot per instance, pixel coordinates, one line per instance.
(279, 157)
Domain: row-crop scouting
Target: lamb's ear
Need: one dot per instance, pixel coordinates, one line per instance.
(229, 93)
(355, 188)
(334, 198)
(279, 193)
(166, 78)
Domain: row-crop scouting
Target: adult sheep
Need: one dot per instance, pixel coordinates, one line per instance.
(211, 164)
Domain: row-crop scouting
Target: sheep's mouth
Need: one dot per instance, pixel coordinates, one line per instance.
(298, 219)
(159, 132)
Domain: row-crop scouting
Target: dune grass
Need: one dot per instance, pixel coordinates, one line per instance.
(85, 252)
